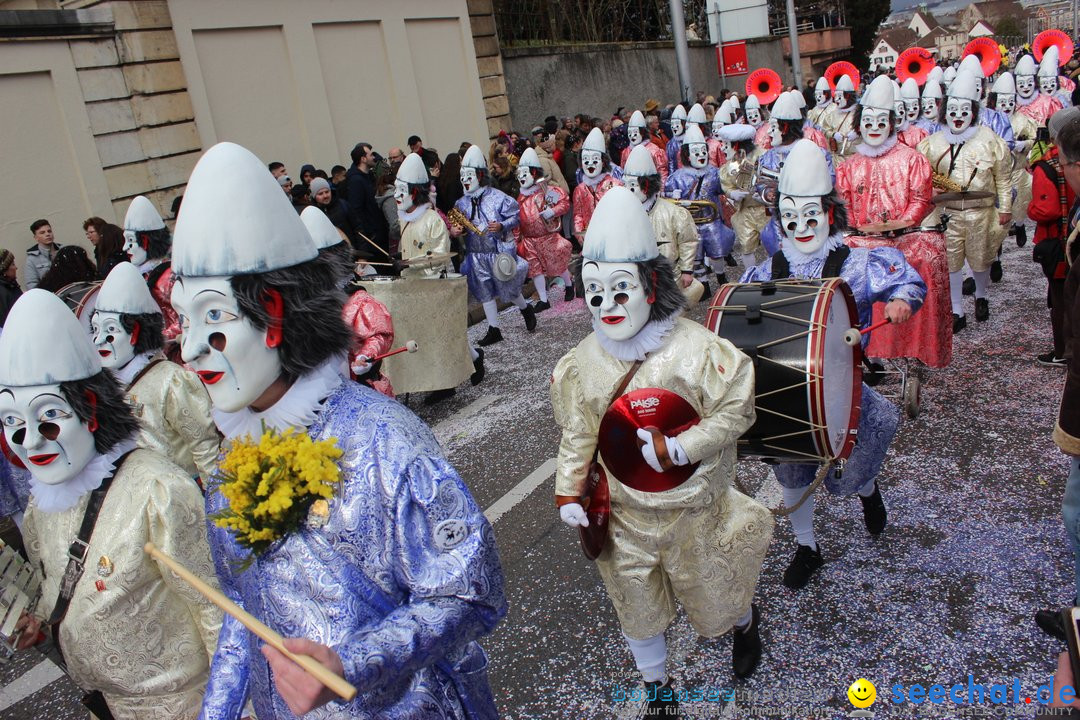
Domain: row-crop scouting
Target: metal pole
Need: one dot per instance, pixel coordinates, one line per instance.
(1074, 8)
(682, 54)
(793, 34)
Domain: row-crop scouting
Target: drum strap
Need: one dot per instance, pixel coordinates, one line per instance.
(833, 263)
(618, 393)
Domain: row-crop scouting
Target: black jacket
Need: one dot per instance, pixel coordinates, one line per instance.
(9, 293)
(338, 212)
(365, 215)
(1067, 431)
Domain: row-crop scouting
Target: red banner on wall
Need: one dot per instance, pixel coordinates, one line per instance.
(731, 58)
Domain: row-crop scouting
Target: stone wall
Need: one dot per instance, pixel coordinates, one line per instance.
(489, 66)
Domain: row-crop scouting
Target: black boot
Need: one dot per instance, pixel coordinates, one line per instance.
(802, 567)
(478, 368)
(959, 322)
(529, 314)
(707, 295)
(1049, 621)
(438, 396)
(1021, 234)
(493, 336)
(968, 288)
(730, 260)
(721, 278)
(541, 306)
(569, 294)
(662, 702)
(874, 513)
(982, 310)
(995, 271)
(746, 647)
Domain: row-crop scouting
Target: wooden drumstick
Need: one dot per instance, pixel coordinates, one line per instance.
(410, 347)
(312, 666)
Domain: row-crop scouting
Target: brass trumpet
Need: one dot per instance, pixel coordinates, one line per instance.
(767, 180)
(741, 171)
(702, 211)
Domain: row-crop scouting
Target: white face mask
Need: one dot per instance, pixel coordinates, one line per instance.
(821, 97)
(804, 222)
(1025, 86)
(133, 249)
(592, 162)
(912, 107)
(616, 297)
(958, 115)
(874, 126)
(43, 430)
(699, 155)
(901, 111)
(525, 177)
(115, 344)
(774, 132)
(717, 124)
(402, 196)
(633, 184)
(469, 180)
(1006, 104)
(1048, 85)
(930, 109)
(633, 134)
(839, 99)
(753, 117)
(224, 348)
(729, 151)
(677, 127)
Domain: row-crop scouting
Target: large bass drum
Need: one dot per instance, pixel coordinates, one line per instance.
(808, 381)
(81, 297)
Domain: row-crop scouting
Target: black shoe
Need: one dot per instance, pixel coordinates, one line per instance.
(968, 288)
(874, 374)
(746, 647)
(1050, 360)
(721, 278)
(803, 565)
(959, 322)
(478, 368)
(541, 306)
(707, 295)
(529, 313)
(874, 513)
(569, 294)
(995, 271)
(662, 702)
(1021, 235)
(982, 310)
(730, 261)
(438, 396)
(1049, 621)
(493, 336)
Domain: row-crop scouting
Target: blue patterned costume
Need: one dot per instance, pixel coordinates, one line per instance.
(930, 126)
(674, 147)
(491, 205)
(399, 581)
(14, 489)
(999, 123)
(877, 275)
(717, 239)
(773, 159)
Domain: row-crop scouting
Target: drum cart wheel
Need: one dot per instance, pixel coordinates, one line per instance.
(912, 395)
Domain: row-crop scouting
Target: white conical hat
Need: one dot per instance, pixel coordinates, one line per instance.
(910, 89)
(1004, 85)
(142, 215)
(236, 220)
(679, 113)
(1048, 66)
(734, 98)
(474, 158)
(932, 90)
(696, 114)
(693, 135)
(529, 158)
(880, 94)
(844, 84)
(785, 108)
(637, 119)
(43, 342)
(965, 86)
(752, 103)
(898, 96)
(950, 74)
(972, 65)
(620, 230)
(737, 132)
(125, 291)
(1025, 66)
(595, 141)
(936, 73)
(322, 231)
(821, 84)
(726, 113)
(412, 170)
(797, 96)
(640, 163)
(805, 172)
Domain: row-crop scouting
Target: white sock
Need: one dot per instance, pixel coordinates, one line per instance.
(650, 656)
(982, 281)
(749, 260)
(718, 265)
(541, 287)
(802, 520)
(748, 617)
(956, 292)
(475, 355)
(567, 281)
(867, 489)
(491, 312)
(519, 302)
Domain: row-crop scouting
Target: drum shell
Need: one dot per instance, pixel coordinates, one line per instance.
(81, 297)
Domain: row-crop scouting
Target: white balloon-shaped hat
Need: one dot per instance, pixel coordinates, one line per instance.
(142, 215)
(43, 342)
(412, 170)
(1048, 66)
(880, 95)
(529, 158)
(125, 291)
(620, 230)
(322, 231)
(785, 108)
(640, 163)
(474, 158)
(965, 86)
(1025, 66)
(1004, 85)
(595, 141)
(805, 172)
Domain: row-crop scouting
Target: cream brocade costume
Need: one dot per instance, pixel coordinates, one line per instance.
(1024, 128)
(146, 639)
(750, 216)
(426, 234)
(173, 410)
(676, 234)
(702, 542)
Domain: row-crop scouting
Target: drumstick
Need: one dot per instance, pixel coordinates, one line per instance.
(410, 347)
(373, 244)
(312, 666)
(854, 335)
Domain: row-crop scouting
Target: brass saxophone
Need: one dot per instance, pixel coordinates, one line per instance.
(458, 218)
(945, 183)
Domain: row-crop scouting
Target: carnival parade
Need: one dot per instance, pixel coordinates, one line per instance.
(758, 404)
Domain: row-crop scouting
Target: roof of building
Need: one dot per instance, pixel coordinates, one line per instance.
(899, 39)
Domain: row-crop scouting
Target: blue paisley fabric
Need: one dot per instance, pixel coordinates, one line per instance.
(717, 239)
(489, 206)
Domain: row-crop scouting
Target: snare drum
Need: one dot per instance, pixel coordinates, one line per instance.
(81, 297)
(808, 381)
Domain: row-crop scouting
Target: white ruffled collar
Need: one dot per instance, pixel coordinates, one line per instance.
(150, 265)
(415, 214)
(58, 498)
(593, 182)
(797, 259)
(649, 338)
(871, 151)
(297, 408)
(127, 373)
(1024, 102)
(959, 138)
(531, 190)
(476, 191)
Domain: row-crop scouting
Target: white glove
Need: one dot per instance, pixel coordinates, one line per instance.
(573, 515)
(1022, 146)
(648, 451)
(838, 137)
(737, 195)
(547, 213)
(361, 365)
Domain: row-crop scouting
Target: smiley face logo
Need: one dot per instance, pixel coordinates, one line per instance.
(862, 693)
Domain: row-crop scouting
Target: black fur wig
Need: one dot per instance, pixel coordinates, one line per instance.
(151, 330)
(156, 243)
(100, 398)
(313, 330)
(650, 184)
(790, 130)
(340, 259)
(658, 276)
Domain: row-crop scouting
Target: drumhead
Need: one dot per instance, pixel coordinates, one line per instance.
(81, 297)
(837, 392)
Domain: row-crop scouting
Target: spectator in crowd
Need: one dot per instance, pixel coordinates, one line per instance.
(656, 135)
(301, 197)
(40, 255)
(286, 184)
(448, 186)
(277, 169)
(337, 177)
(545, 148)
(108, 242)
(70, 265)
(365, 216)
(9, 286)
(571, 158)
(332, 206)
(396, 157)
(551, 124)
(384, 196)
(430, 157)
(463, 148)
(307, 174)
(503, 172)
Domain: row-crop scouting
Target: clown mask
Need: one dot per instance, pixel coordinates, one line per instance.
(592, 163)
(470, 181)
(699, 154)
(804, 222)
(874, 126)
(930, 109)
(43, 430)
(402, 196)
(616, 298)
(775, 135)
(637, 185)
(912, 109)
(677, 127)
(717, 124)
(1048, 85)
(839, 99)
(525, 177)
(753, 117)
(134, 249)
(728, 149)
(235, 360)
(1006, 104)
(633, 134)
(114, 344)
(821, 97)
(1025, 86)
(958, 115)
